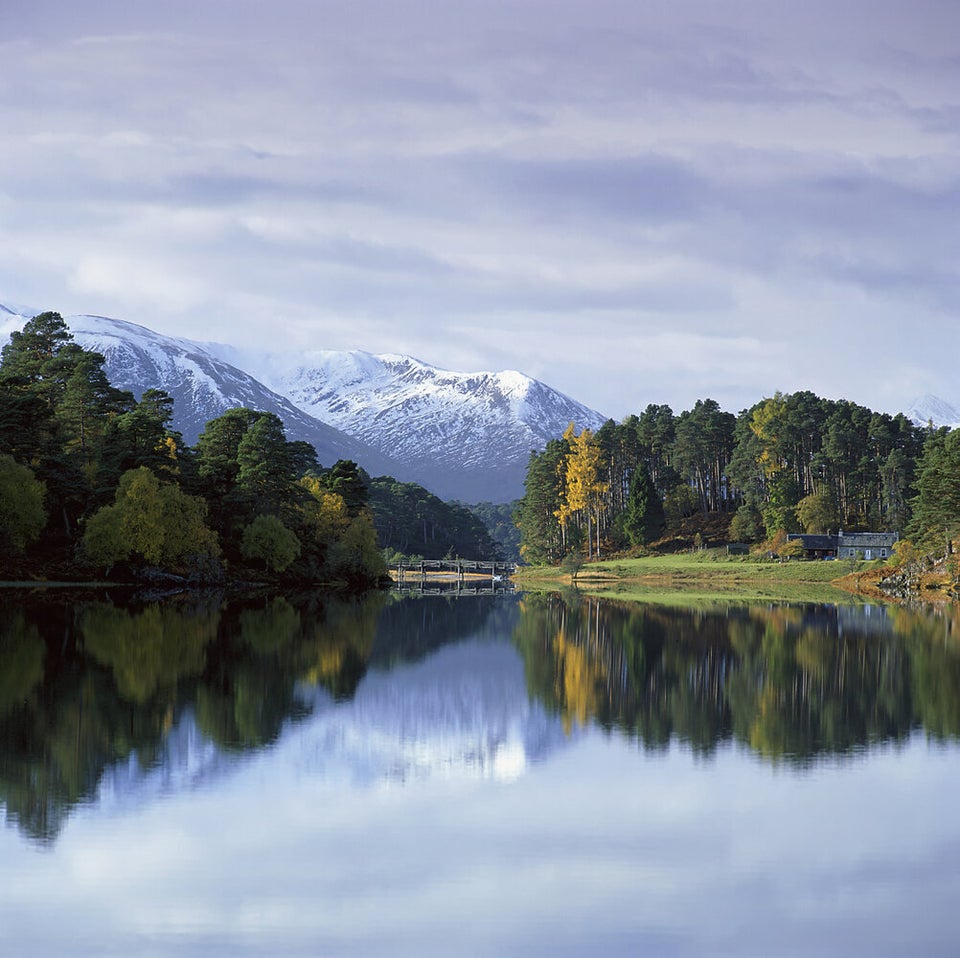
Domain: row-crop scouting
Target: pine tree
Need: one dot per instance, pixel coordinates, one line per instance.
(58, 399)
(643, 516)
(346, 480)
(936, 508)
(265, 472)
(536, 514)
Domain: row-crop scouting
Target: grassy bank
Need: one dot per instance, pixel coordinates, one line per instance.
(706, 575)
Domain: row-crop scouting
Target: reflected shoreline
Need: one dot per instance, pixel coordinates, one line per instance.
(90, 683)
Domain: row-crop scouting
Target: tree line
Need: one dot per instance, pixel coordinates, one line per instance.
(92, 477)
(793, 684)
(790, 463)
(411, 521)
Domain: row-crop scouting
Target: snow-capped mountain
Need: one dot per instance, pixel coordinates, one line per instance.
(202, 385)
(463, 436)
(466, 436)
(933, 409)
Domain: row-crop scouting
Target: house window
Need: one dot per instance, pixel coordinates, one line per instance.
(883, 553)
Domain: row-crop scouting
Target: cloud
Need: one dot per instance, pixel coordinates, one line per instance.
(392, 175)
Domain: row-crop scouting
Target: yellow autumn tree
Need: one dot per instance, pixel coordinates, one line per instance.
(564, 511)
(584, 490)
(347, 543)
(325, 513)
(765, 424)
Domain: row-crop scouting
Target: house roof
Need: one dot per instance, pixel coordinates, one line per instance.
(815, 541)
(869, 539)
(849, 540)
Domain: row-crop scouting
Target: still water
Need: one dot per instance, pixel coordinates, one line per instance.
(513, 775)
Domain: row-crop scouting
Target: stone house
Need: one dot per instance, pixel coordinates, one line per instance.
(848, 545)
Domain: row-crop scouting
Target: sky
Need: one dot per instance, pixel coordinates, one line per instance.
(634, 201)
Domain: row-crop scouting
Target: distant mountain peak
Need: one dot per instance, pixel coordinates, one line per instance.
(465, 436)
(930, 408)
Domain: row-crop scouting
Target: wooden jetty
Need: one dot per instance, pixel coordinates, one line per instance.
(456, 588)
(461, 570)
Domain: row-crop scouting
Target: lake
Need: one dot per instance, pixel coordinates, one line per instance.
(482, 775)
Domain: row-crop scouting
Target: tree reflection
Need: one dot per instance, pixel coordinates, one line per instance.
(790, 682)
(23, 653)
(337, 646)
(412, 628)
(149, 650)
(87, 685)
(627, 666)
(269, 629)
(936, 671)
(247, 693)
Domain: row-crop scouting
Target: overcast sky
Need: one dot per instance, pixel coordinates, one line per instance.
(634, 201)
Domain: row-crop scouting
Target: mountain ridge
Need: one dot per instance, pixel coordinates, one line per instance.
(203, 386)
(428, 417)
(463, 436)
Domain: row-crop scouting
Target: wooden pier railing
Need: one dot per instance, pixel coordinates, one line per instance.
(462, 569)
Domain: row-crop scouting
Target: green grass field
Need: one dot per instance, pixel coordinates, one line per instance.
(686, 577)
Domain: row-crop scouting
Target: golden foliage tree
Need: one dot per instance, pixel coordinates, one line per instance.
(153, 521)
(583, 489)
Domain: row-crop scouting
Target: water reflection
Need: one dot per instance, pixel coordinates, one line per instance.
(86, 685)
(792, 682)
(102, 699)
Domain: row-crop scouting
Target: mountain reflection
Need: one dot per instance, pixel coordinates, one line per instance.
(101, 699)
(95, 695)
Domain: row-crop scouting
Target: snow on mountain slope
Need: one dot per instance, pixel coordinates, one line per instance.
(927, 409)
(464, 713)
(463, 436)
(203, 386)
(468, 434)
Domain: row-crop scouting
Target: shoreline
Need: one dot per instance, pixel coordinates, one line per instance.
(709, 574)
